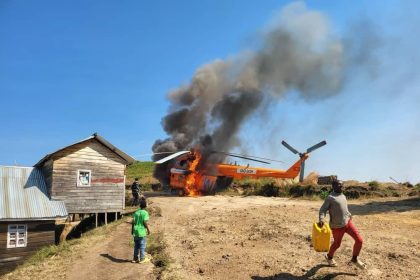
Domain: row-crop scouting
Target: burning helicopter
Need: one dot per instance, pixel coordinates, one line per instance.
(190, 173)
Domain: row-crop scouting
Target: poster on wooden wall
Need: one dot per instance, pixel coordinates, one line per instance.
(83, 178)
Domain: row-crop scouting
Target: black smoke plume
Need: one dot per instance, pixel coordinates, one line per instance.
(298, 52)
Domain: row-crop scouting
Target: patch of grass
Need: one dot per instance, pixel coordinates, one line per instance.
(52, 250)
(156, 246)
(154, 211)
(228, 191)
(140, 169)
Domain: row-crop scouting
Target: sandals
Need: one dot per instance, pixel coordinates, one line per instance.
(331, 262)
(359, 264)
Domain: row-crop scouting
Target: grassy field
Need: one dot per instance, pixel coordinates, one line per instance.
(144, 171)
(140, 169)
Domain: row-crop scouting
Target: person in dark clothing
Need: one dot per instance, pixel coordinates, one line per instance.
(135, 189)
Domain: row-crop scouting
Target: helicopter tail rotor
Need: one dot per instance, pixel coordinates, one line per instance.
(316, 146)
(293, 150)
(303, 156)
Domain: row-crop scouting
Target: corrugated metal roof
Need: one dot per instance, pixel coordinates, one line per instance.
(101, 140)
(23, 195)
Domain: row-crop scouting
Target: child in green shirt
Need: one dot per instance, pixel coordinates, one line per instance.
(140, 229)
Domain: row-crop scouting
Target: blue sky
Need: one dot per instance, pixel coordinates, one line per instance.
(71, 68)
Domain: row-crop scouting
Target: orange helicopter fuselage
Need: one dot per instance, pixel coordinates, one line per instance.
(221, 175)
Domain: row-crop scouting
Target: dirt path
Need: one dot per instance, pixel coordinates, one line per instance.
(219, 237)
(110, 259)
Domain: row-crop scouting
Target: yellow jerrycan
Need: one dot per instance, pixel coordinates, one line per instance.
(321, 237)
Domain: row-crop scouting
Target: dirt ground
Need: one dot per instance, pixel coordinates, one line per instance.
(224, 237)
(219, 237)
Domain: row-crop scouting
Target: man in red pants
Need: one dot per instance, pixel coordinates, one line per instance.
(340, 223)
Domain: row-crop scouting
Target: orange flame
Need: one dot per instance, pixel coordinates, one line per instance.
(193, 179)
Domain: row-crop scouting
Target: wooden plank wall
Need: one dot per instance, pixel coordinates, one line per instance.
(106, 193)
(40, 233)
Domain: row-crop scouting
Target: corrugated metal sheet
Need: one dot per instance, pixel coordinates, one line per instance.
(23, 195)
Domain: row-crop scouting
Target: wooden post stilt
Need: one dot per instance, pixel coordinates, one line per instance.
(106, 218)
(96, 219)
(116, 216)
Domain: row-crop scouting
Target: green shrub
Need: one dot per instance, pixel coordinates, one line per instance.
(295, 190)
(302, 190)
(265, 186)
(284, 191)
(269, 190)
(373, 184)
(408, 185)
(323, 194)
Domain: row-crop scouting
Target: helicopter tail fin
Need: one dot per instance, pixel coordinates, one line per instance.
(294, 170)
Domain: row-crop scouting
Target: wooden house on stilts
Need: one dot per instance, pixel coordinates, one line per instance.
(89, 176)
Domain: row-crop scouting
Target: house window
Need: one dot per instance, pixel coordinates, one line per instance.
(83, 178)
(16, 236)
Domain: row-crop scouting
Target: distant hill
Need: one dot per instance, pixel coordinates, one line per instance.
(142, 170)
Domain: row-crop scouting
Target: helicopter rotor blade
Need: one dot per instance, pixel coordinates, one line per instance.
(293, 150)
(316, 146)
(252, 157)
(240, 156)
(168, 158)
(152, 154)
